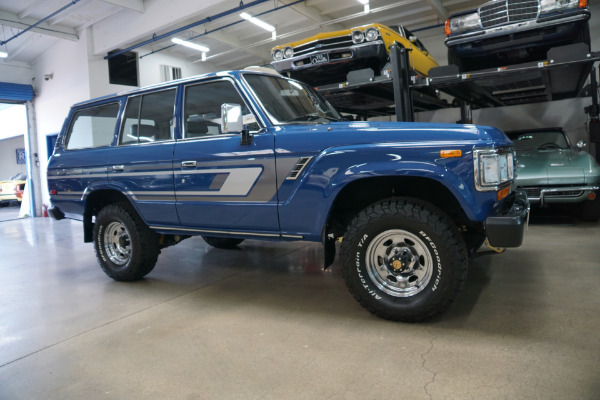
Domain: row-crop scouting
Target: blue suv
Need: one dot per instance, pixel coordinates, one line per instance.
(243, 154)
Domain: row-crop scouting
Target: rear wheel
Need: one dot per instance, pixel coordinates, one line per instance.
(404, 260)
(125, 247)
(222, 243)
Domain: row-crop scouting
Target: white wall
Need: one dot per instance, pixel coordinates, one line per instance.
(16, 73)
(8, 157)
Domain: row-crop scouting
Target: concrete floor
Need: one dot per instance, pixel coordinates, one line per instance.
(265, 322)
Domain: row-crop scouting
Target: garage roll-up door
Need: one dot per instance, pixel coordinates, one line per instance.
(15, 93)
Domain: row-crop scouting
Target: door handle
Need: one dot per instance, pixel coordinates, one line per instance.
(118, 168)
(188, 164)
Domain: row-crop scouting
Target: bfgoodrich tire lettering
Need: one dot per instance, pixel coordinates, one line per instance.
(125, 247)
(404, 260)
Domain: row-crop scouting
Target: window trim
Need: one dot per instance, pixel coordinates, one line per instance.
(67, 137)
(147, 92)
(257, 115)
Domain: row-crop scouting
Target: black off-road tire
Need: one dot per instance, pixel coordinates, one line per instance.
(125, 247)
(375, 267)
(222, 243)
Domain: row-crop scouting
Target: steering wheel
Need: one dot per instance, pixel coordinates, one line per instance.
(547, 146)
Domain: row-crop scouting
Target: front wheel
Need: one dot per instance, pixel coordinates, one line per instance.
(404, 260)
(125, 247)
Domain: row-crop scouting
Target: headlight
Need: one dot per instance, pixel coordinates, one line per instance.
(493, 167)
(371, 34)
(548, 6)
(277, 55)
(463, 23)
(288, 52)
(358, 37)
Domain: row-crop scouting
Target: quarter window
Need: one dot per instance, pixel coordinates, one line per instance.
(202, 112)
(93, 127)
(148, 118)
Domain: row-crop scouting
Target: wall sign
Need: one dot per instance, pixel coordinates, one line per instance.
(20, 156)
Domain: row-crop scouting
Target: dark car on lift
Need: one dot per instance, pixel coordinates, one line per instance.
(507, 32)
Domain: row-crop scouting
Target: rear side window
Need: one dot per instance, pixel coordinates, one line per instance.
(92, 127)
(149, 118)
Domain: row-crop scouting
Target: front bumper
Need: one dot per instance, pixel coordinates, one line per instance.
(564, 194)
(375, 49)
(507, 227)
(543, 31)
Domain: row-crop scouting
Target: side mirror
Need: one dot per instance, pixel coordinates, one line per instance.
(232, 121)
(581, 145)
(231, 118)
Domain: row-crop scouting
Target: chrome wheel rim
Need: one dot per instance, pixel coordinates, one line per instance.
(117, 243)
(399, 263)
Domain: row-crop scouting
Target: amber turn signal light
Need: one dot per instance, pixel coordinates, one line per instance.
(447, 25)
(450, 153)
(503, 193)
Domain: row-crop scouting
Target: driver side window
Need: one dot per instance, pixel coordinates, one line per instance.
(202, 109)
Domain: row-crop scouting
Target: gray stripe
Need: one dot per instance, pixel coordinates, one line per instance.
(215, 231)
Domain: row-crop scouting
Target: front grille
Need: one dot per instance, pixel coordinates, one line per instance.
(535, 192)
(501, 12)
(324, 44)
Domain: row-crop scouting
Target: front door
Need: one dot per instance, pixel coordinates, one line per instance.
(221, 185)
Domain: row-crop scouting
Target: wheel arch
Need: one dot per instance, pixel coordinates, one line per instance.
(95, 201)
(358, 194)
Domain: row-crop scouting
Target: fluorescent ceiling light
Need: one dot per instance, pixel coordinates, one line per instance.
(363, 1)
(258, 22)
(3, 54)
(191, 45)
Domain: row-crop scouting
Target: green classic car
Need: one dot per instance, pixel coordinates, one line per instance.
(552, 171)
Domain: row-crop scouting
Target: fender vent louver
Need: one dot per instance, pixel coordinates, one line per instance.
(298, 168)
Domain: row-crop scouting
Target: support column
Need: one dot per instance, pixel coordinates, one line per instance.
(33, 164)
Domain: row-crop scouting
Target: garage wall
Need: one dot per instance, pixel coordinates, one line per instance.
(8, 157)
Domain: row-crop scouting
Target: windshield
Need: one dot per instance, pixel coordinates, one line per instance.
(286, 101)
(541, 140)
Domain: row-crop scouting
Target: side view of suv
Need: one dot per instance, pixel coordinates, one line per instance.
(245, 155)
(505, 32)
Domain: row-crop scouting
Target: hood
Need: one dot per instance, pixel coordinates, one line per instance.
(361, 132)
(556, 167)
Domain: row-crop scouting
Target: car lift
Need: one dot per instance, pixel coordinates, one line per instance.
(561, 76)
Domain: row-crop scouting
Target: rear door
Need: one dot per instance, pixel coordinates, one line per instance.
(222, 186)
(141, 163)
(79, 161)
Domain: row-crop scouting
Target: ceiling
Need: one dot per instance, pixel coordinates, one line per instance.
(233, 42)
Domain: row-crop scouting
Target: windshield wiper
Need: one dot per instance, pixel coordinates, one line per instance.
(311, 117)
